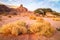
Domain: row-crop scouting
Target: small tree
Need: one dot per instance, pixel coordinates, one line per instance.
(40, 11)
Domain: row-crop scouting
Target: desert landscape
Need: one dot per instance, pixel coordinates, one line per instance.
(22, 24)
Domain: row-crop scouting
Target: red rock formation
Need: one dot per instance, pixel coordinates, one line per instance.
(11, 11)
(4, 8)
(22, 9)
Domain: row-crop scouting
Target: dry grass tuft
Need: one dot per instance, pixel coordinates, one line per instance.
(42, 29)
(14, 28)
(56, 19)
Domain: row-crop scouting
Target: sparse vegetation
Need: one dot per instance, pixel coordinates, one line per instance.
(56, 13)
(33, 17)
(10, 16)
(43, 11)
(14, 28)
(56, 19)
(39, 25)
(42, 29)
(39, 19)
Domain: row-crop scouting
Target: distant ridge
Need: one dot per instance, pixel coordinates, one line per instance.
(7, 9)
(11, 10)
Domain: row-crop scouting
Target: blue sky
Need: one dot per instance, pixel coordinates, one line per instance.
(34, 4)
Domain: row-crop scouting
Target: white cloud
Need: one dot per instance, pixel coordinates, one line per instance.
(2, 2)
(54, 0)
(9, 0)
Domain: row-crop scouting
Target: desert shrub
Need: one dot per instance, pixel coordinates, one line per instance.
(33, 17)
(41, 29)
(9, 16)
(18, 30)
(42, 11)
(56, 19)
(35, 27)
(6, 28)
(49, 32)
(39, 11)
(56, 13)
(14, 28)
(20, 23)
(39, 19)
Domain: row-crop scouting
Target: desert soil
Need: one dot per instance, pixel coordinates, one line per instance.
(6, 20)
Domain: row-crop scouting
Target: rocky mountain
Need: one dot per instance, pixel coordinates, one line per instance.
(6, 10)
(21, 9)
(46, 11)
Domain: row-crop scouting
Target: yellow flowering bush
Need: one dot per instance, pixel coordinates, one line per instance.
(14, 28)
(38, 27)
(35, 27)
(42, 28)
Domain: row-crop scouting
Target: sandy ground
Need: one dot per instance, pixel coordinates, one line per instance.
(6, 20)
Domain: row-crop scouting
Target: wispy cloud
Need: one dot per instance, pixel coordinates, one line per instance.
(55, 0)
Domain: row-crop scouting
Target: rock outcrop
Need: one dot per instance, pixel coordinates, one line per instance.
(22, 9)
(11, 11)
(4, 9)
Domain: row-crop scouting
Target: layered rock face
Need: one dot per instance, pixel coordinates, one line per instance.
(22, 9)
(4, 9)
(12, 11)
